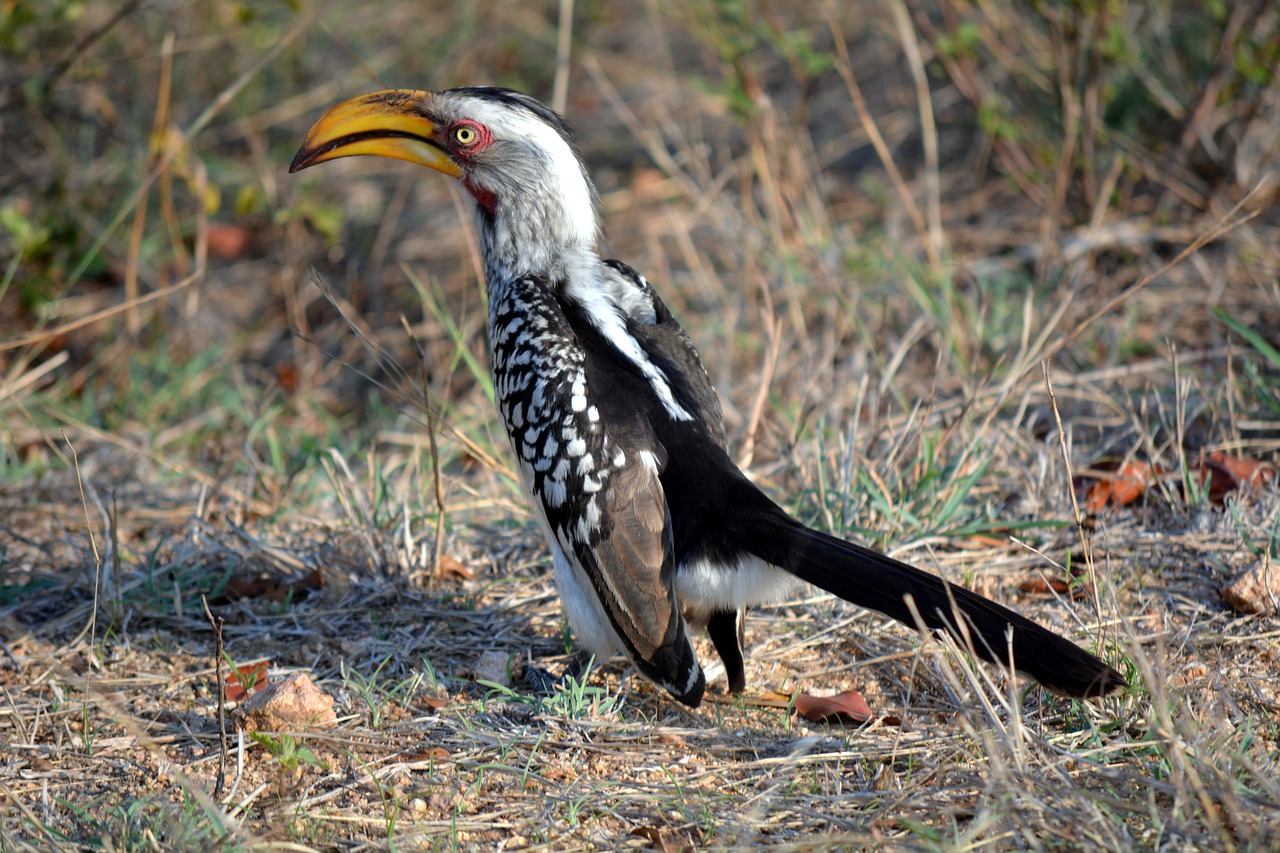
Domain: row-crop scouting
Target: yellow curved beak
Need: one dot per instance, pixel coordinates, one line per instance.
(391, 123)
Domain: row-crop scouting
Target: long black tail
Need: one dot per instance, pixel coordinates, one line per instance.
(870, 579)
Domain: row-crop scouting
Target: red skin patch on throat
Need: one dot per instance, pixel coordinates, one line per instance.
(486, 198)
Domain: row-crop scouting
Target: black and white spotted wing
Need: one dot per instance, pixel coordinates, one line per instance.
(591, 463)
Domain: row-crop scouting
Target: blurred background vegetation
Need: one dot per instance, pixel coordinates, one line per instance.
(1034, 149)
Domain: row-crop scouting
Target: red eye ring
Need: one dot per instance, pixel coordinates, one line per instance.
(469, 136)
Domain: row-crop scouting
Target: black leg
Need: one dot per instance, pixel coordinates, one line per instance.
(725, 629)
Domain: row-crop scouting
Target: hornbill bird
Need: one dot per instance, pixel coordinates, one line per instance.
(617, 431)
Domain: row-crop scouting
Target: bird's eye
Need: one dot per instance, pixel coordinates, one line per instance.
(465, 135)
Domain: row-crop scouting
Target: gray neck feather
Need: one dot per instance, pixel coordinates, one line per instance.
(544, 222)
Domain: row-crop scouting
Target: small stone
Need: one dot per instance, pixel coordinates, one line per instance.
(492, 666)
(1257, 590)
(295, 703)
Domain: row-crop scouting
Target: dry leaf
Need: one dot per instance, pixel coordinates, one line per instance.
(1193, 671)
(434, 753)
(848, 706)
(450, 567)
(1253, 473)
(1041, 585)
(434, 703)
(1218, 473)
(272, 589)
(1130, 481)
(228, 241)
(254, 675)
(288, 375)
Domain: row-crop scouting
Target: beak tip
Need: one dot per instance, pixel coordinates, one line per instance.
(300, 161)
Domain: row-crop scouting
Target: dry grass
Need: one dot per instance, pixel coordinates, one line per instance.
(883, 252)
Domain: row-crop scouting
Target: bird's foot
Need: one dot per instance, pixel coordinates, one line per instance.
(546, 684)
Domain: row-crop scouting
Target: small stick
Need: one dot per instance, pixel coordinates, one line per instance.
(1075, 504)
(216, 623)
(117, 576)
(564, 41)
(773, 327)
(438, 549)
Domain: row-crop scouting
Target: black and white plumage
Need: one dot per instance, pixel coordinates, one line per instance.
(617, 431)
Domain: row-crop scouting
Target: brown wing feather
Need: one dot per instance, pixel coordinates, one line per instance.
(634, 559)
(633, 563)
